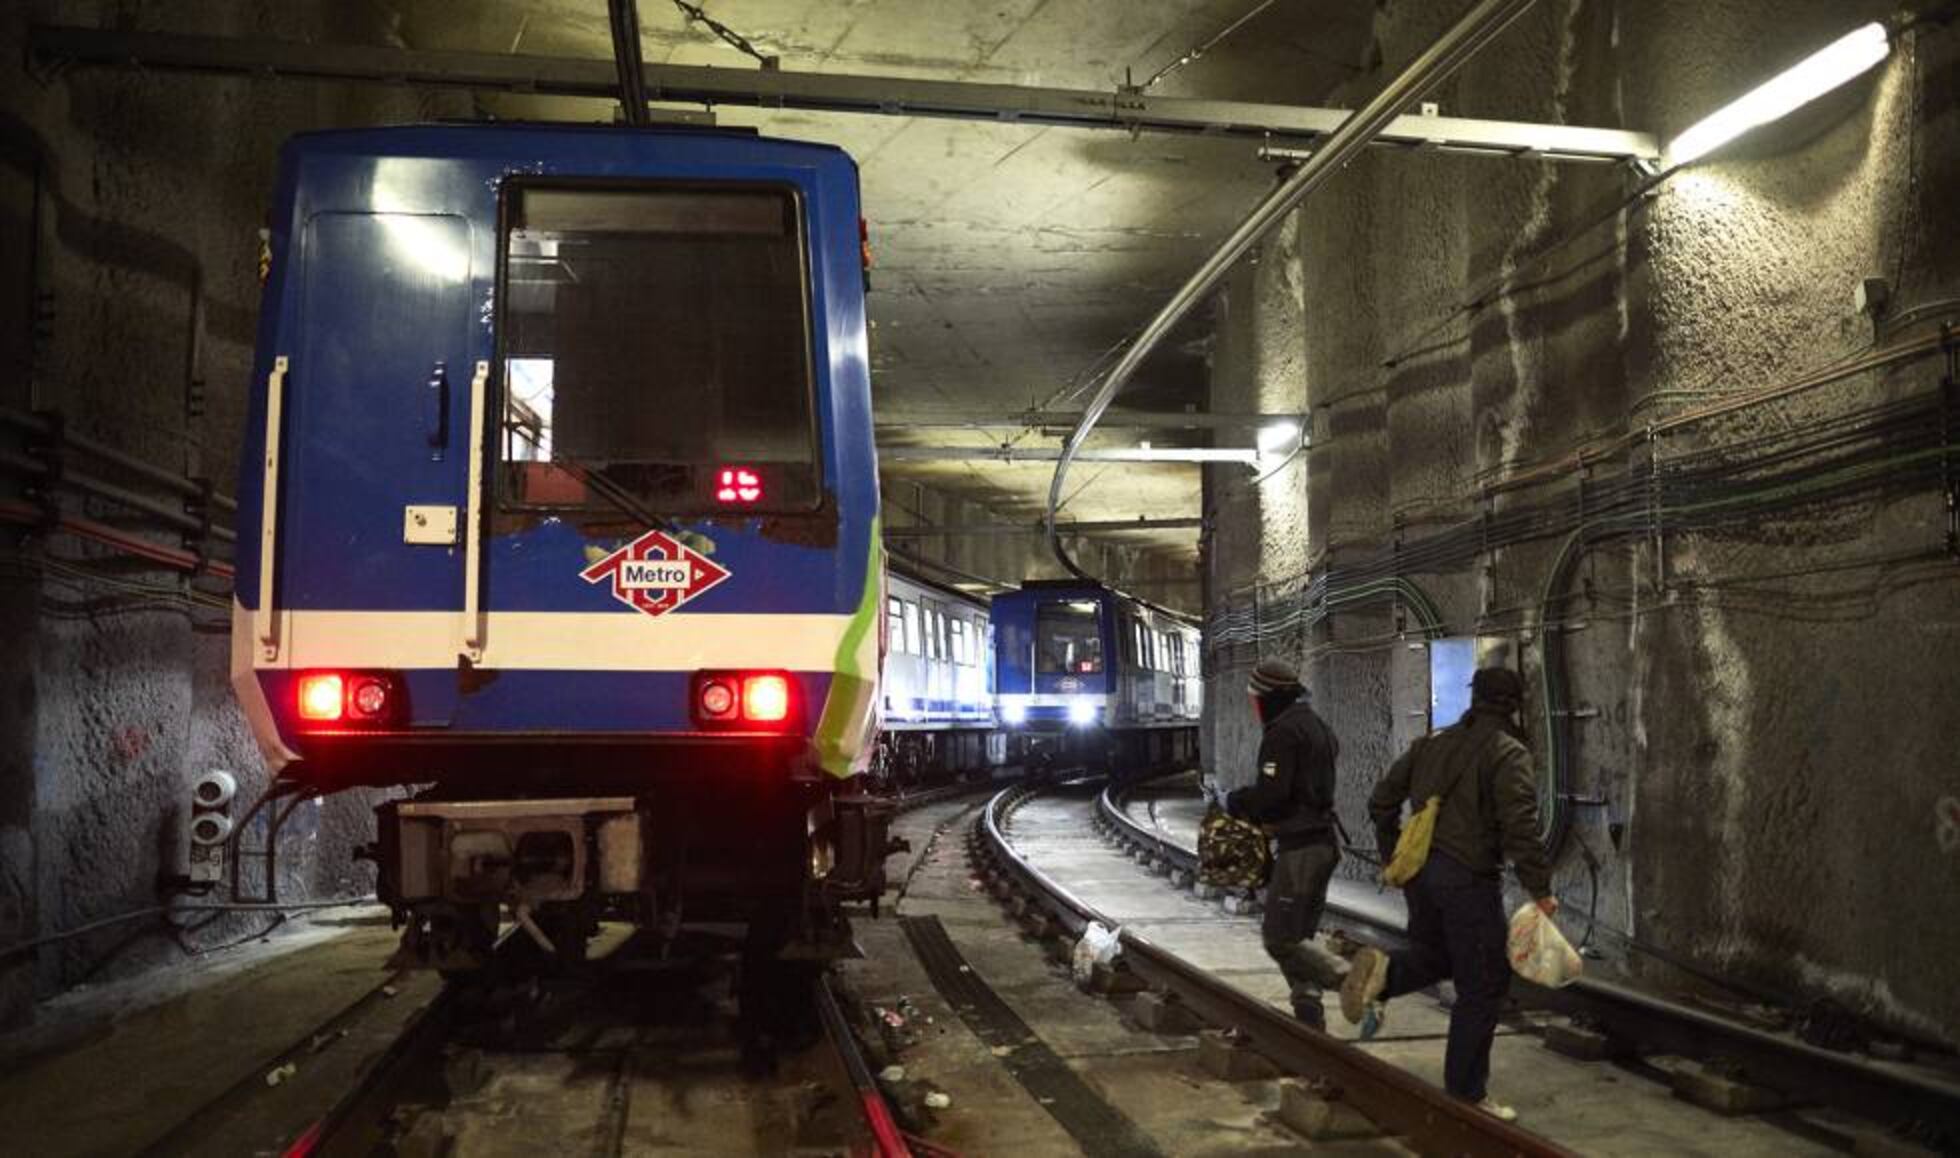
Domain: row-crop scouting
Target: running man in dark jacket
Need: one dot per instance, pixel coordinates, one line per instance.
(1482, 771)
(1293, 799)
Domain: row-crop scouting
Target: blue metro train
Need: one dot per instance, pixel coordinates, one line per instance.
(559, 502)
(1056, 672)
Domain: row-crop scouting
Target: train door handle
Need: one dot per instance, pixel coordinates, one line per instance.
(435, 410)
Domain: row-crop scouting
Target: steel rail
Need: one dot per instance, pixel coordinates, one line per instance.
(1880, 1091)
(1394, 1099)
(1463, 40)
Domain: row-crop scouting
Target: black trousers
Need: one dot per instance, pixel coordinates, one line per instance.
(1296, 896)
(1457, 932)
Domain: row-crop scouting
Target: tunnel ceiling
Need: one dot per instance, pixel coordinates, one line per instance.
(1008, 259)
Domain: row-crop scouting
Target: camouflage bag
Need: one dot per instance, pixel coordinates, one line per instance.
(1232, 854)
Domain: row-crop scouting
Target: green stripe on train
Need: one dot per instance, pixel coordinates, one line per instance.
(855, 678)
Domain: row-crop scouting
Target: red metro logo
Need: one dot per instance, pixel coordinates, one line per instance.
(655, 574)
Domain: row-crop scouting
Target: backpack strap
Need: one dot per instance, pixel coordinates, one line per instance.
(1464, 763)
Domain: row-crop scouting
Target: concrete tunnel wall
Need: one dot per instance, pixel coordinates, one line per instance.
(121, 201)
(1774, 739)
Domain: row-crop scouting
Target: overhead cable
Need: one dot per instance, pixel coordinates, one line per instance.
(1450, 52)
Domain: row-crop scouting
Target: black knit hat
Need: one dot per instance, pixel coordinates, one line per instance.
(1273, 676)
(1498, 686)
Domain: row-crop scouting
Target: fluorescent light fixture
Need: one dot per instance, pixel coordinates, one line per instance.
(1810, 78)
(1277, 436)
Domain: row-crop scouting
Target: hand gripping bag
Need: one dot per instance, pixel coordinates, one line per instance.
(1539, 952)
(1232, 854)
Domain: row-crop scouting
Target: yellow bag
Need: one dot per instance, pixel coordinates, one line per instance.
(1412, 847)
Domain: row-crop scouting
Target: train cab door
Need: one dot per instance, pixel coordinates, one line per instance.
(374, 502)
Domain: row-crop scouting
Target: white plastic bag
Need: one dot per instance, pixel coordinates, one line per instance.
(1099, 946)
(1539, 952)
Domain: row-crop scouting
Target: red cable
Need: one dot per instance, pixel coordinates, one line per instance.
(304, 1145)
(884, 1131)
(173, 557)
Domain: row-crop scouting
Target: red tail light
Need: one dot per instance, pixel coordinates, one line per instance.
(745, 700)
(765, 698)
(354, 699)
(322, 696)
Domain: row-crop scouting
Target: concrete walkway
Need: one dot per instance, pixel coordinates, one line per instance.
(1592, 1107)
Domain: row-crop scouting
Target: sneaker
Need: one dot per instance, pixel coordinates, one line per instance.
(1498, 1110)
(1364, 983)
(1372, 1019)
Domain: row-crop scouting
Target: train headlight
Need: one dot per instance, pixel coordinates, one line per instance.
(369, 699)
(1082, 711)
(1014, 712)
(717, 700)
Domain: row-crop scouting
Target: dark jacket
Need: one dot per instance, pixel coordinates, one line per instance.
(1294, 794)
(1490, 815)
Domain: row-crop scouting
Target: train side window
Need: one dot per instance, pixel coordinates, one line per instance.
(895, 624)
(961, 655)
(914, 644)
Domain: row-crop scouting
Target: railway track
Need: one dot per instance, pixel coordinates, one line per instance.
(1394, 1100)
(1618, 1020)
(1039, 850)
(634, 1054)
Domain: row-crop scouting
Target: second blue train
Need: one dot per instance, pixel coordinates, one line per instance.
(1056, 674)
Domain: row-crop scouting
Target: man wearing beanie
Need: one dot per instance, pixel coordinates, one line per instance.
(1481, 770)
(1293, 798)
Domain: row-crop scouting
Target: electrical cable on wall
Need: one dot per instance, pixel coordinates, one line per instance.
(1454, 48)
(1884, 448)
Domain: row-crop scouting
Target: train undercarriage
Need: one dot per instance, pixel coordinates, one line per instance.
(776, 859)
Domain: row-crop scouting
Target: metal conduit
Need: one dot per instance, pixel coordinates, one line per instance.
(625, 17)
(35, 424)
(1455, 47)
(88, 484)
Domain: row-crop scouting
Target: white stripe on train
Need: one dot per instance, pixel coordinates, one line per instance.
(555, 640)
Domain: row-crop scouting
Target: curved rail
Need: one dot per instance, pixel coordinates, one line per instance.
(1430, 1119)
(1877, 1090)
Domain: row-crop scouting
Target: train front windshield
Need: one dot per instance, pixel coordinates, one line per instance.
(656, 349)
(1068, 638)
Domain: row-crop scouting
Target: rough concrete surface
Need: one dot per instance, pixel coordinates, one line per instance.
(1771, 743)
(135, 202)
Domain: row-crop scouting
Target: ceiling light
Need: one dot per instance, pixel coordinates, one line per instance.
(1277, 436)
(1790, 90)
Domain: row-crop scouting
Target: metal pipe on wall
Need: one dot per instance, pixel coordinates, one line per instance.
(1456, 46)
(625, 16)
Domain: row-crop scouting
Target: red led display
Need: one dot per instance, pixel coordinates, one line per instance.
(738, 485)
